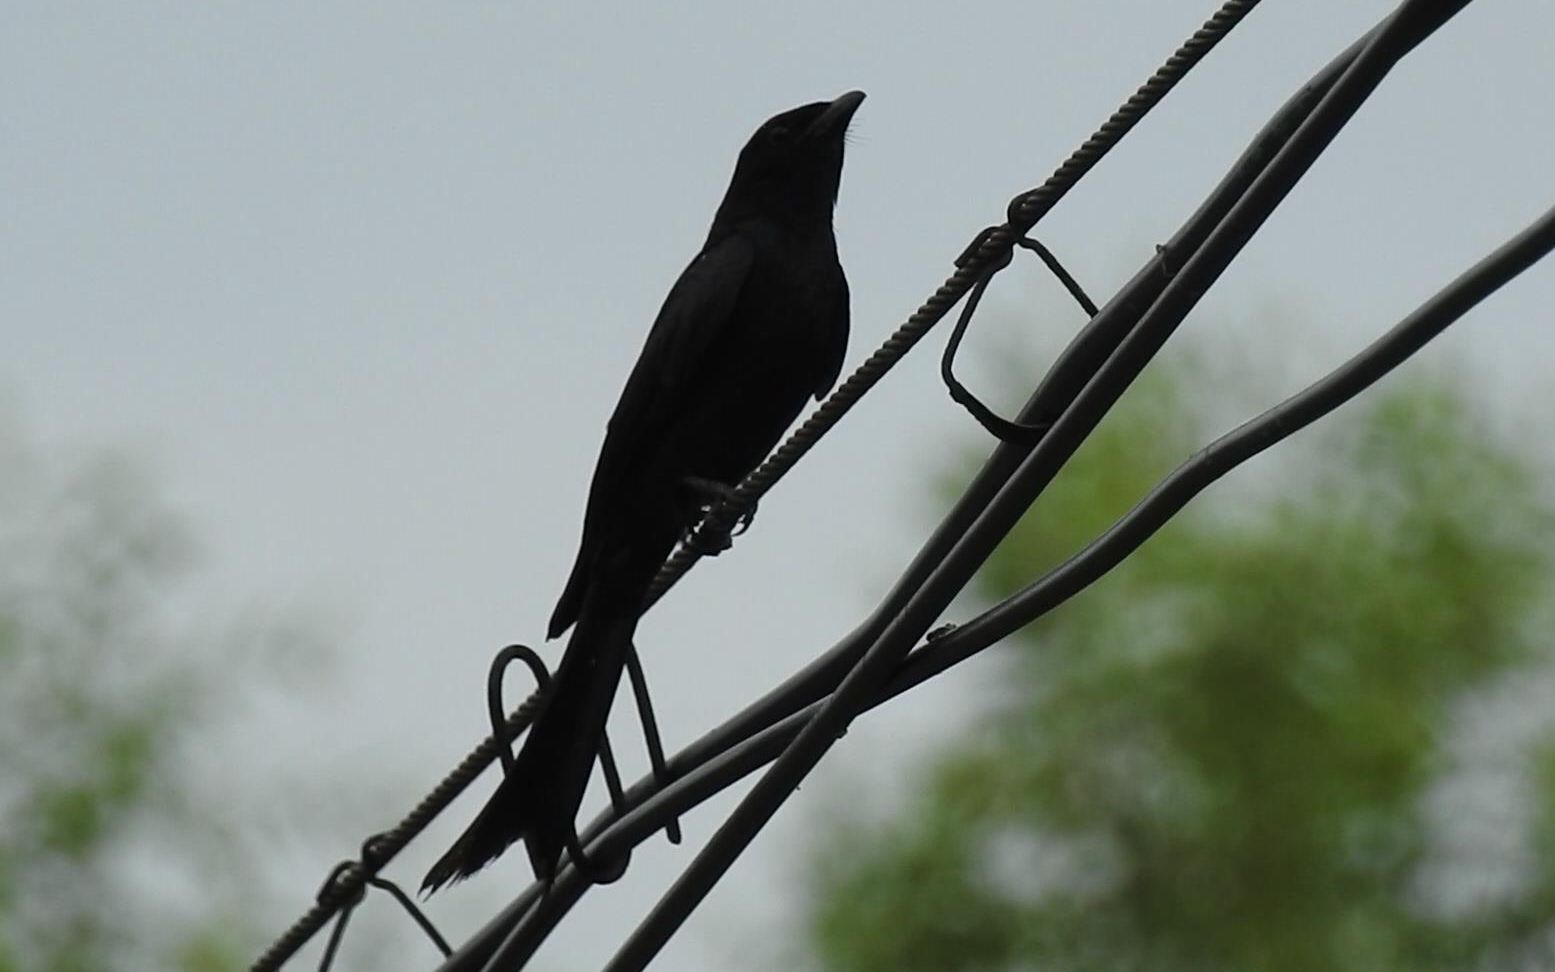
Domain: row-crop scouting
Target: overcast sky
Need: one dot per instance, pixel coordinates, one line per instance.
(361, 282)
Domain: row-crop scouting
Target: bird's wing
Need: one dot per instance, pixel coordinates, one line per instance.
(697, 310)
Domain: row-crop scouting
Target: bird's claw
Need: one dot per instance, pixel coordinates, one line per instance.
(747, 517)
(709, 493)
(707, 543)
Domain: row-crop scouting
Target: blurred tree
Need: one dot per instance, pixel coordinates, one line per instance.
(108, 856)
(1216, 758)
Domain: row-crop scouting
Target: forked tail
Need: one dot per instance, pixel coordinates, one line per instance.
(539, 800)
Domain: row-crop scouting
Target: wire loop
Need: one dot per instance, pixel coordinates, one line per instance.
(495, 708)
(1005, 430)
(1023, 212)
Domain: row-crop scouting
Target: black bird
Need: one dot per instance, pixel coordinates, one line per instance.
(756, 325)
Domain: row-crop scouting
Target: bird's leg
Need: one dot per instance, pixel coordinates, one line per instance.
(708, 493)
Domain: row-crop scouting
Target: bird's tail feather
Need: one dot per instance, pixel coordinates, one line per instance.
(539, 800)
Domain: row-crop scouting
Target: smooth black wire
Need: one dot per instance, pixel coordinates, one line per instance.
(495, 706)
(780, 780)
(378, 851)
(1057, 269)
(818, 678)
(1160, 505)
(416, 914)
(1003, 429)
(519, 929)
(757, 734)
(336, 934)
(1027, 207)
(650, 726)
(1231, 450)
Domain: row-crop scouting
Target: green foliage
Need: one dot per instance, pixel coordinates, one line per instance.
(1215, 758)
(97, 704)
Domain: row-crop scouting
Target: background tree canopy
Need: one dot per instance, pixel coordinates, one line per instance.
(111, 855)
(1221, 756)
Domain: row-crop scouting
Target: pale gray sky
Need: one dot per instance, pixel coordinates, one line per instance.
(363, 281)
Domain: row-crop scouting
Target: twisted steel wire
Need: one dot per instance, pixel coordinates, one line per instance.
(1025, 209)
(348, 883)
(1022, 214)
(747, 741)
(779, 782)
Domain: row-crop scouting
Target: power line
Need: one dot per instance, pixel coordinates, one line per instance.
(795, 723)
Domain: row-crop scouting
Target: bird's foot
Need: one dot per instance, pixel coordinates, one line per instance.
(708, 494)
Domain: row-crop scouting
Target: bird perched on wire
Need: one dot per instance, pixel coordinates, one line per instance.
(754, 327)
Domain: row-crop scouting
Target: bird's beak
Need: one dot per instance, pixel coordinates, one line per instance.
(834, 120)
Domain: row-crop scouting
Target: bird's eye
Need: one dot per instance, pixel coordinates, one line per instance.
(779, 135)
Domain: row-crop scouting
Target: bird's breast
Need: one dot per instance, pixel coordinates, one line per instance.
(783, 340)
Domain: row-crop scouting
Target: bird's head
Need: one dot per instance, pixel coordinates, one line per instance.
(793, 164)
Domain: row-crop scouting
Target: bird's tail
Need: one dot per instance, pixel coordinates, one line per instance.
(539, 800)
